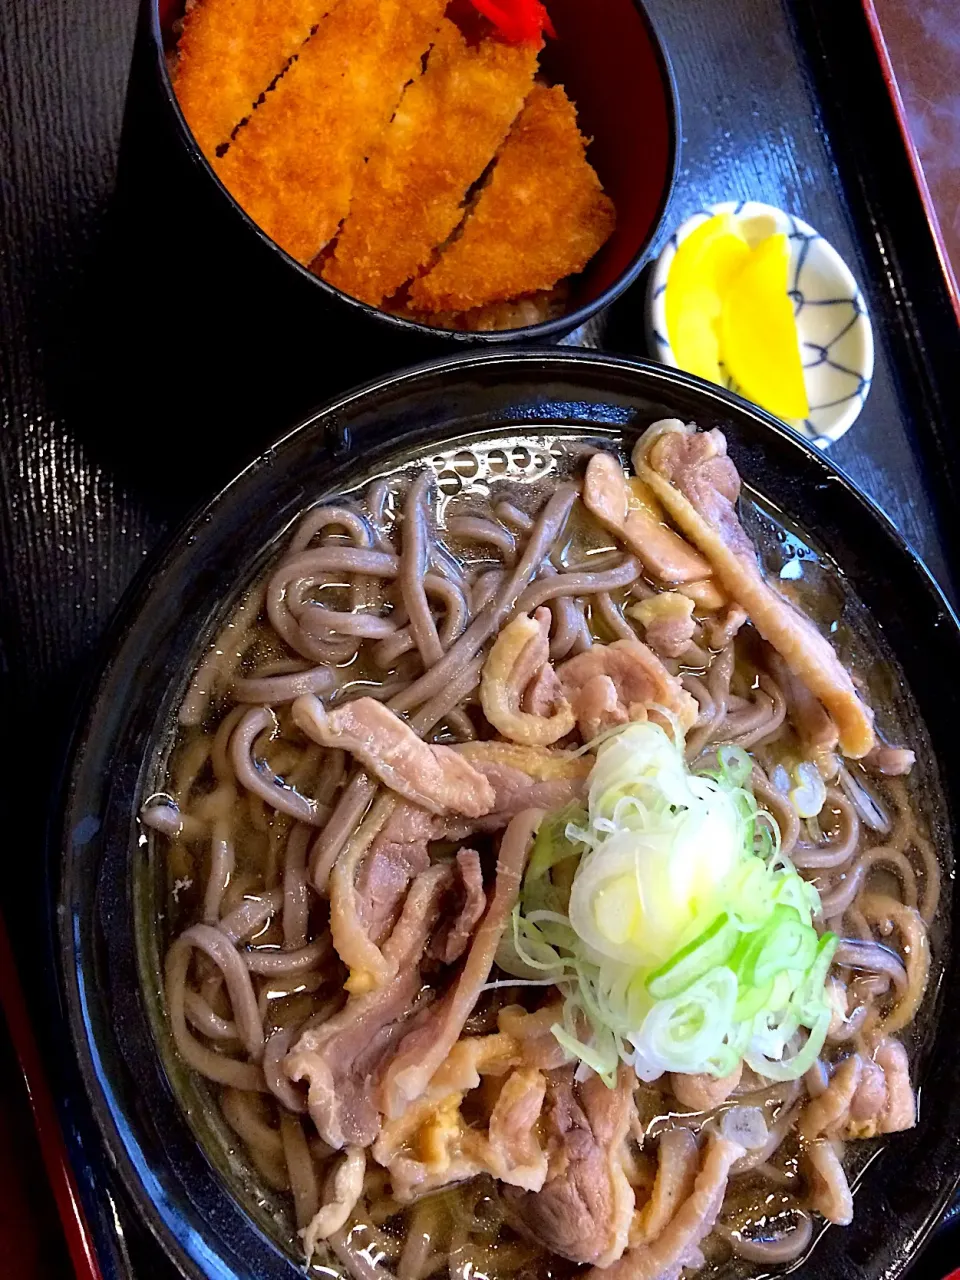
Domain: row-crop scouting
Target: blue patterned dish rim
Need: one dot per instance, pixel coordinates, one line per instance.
(836, 336)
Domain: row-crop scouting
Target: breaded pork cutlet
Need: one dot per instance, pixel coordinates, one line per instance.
(445, 132)
(230, 50)
(542, 215)
(294, 165)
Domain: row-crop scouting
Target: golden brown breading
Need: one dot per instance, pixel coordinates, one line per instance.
(542, 215)
(294, 165)
(446, 131)
(229, 52)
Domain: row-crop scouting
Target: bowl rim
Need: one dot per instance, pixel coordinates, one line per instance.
(400, 325)
(655, 307)
(539, 365)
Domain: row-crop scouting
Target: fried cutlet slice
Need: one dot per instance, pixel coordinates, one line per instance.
(446, 131)
(294, 165)
(542, 215)
(229, 52)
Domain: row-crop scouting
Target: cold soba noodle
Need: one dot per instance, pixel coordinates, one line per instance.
(543, 894)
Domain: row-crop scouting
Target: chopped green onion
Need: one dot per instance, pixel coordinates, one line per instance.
(784, 942)
(680, 935)
(691, 962)
(689, 1030)
(751, 1001)
(802, 1060)
(812, 991)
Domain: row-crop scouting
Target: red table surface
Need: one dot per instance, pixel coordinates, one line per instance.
(31, 1241)
(919, 43)
(42, 1228)
(919, 40)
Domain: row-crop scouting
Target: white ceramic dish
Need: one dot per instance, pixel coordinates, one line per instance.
(836, 337)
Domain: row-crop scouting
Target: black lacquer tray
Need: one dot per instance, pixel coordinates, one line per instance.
(123, 406)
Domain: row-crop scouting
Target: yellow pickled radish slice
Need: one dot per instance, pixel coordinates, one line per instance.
(694, 339)
(704, 264)
(758, 332)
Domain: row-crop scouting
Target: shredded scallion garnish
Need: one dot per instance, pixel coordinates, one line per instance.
(681, 937)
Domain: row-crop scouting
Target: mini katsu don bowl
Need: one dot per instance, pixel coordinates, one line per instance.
(612, 68)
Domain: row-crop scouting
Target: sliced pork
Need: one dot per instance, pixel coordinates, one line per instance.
(613, 684)
(889, 762)
(526, 778)
(722, 631)
(678, 1160)
(824, 1115)
(410, 824)
(537, 1045)
(340, 1058)
(668, 622)
(424, 1050)
(900, 1105)
(703, 1092)
(868, 1094)
(815, 727)
(630, 510)
(463, 915)
(369, 966)
(382, 882)
(829, 1190)
(514, 1154)
(678, 1245)
(521, 778)
(544, 694)
(433, 1146)
(585, 1207)
(868, 1102)
(432, 776)
(519, 657)
(690, 473)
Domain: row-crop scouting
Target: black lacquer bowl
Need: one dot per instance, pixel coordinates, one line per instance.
(150, 1116)
(610, 59)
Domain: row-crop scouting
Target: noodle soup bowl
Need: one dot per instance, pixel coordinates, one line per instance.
(184, 1173)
